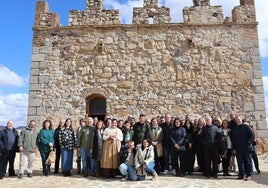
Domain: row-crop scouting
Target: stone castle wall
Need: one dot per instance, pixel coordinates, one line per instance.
(207, 65)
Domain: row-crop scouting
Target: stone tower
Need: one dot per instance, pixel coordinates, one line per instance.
(100, 67)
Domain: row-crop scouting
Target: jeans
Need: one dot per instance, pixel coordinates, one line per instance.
(87, 161)
(150, 167)
(244, 161)
(67, 159)
(166, 151)
(128, 170)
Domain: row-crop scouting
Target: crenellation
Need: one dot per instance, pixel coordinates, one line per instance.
(151, 13)
(44, 18)
(203, 15)
(244, 14)
(95, 5)
(247, 2)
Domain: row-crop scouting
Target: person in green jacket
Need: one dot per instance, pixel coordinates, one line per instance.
(28, 148)
(85, 145)
(45, 143)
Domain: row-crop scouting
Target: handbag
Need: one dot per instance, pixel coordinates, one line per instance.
(51, 157)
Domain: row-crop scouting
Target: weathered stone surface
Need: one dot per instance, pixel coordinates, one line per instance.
(204, 65)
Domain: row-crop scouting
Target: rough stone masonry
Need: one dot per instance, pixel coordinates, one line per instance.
(98, 66)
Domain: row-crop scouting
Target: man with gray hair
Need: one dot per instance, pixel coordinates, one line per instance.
(211, 136)
(8, 147)
(242, 144)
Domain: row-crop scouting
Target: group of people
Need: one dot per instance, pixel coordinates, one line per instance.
(134, 149)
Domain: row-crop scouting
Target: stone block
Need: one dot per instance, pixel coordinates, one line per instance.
(225, 99)
(34, 80)
(35, 102)
(38, 57)
(258, 98)
(260, 106)
(248, 106)
(257, 82)
(44, 79)
(35, 87)
(32, 111)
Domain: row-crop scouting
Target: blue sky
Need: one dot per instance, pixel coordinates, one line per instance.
(16, 43)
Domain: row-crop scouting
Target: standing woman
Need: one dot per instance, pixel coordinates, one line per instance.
(189, 151)
(198, 144)
(68, 141)
(97, 146)
(177, 137)
(112, 137)
(155, 135)
(45, 143)
(226, 131)
(57, 145)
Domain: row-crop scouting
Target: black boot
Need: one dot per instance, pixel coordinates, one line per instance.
(78, 161)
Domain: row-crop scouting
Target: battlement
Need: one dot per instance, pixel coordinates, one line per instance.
(151, 13)
(43, 17)
(94, 15)
(150, 10)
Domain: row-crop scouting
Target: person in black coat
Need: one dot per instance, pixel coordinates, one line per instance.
(177, 139)
(189, 151)
(97, 146)
(242, 145)
(211, 137)
(57, 145)
(8, 147)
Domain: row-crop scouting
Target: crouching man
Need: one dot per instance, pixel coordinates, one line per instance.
(127, 166)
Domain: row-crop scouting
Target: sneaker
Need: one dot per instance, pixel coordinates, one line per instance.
(165, 172)
(174, 172)
(20, 176)
(248, 178)
(124, 178)
(155, 176)
(30, 175)
(258, 171)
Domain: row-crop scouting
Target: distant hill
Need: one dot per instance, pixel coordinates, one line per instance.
(18, 128)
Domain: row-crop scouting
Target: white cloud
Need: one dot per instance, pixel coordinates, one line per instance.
(265, 83)
(10, 78)
(262, 15)
(14, 106)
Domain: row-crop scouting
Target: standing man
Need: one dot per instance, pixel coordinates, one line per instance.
(27, 147)
(166, 127)
(8, 142)
(242, 139)
(211, 136)
(140, 130)
(85, 146)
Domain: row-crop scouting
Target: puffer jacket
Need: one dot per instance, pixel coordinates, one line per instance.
(143, 156)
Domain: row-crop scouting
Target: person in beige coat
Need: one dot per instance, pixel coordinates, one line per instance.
(144, 160)
(112, 137)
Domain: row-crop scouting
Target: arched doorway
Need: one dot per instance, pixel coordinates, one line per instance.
(96, 106)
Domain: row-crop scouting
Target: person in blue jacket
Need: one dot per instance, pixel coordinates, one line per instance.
(242, 139)
(8, 147)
